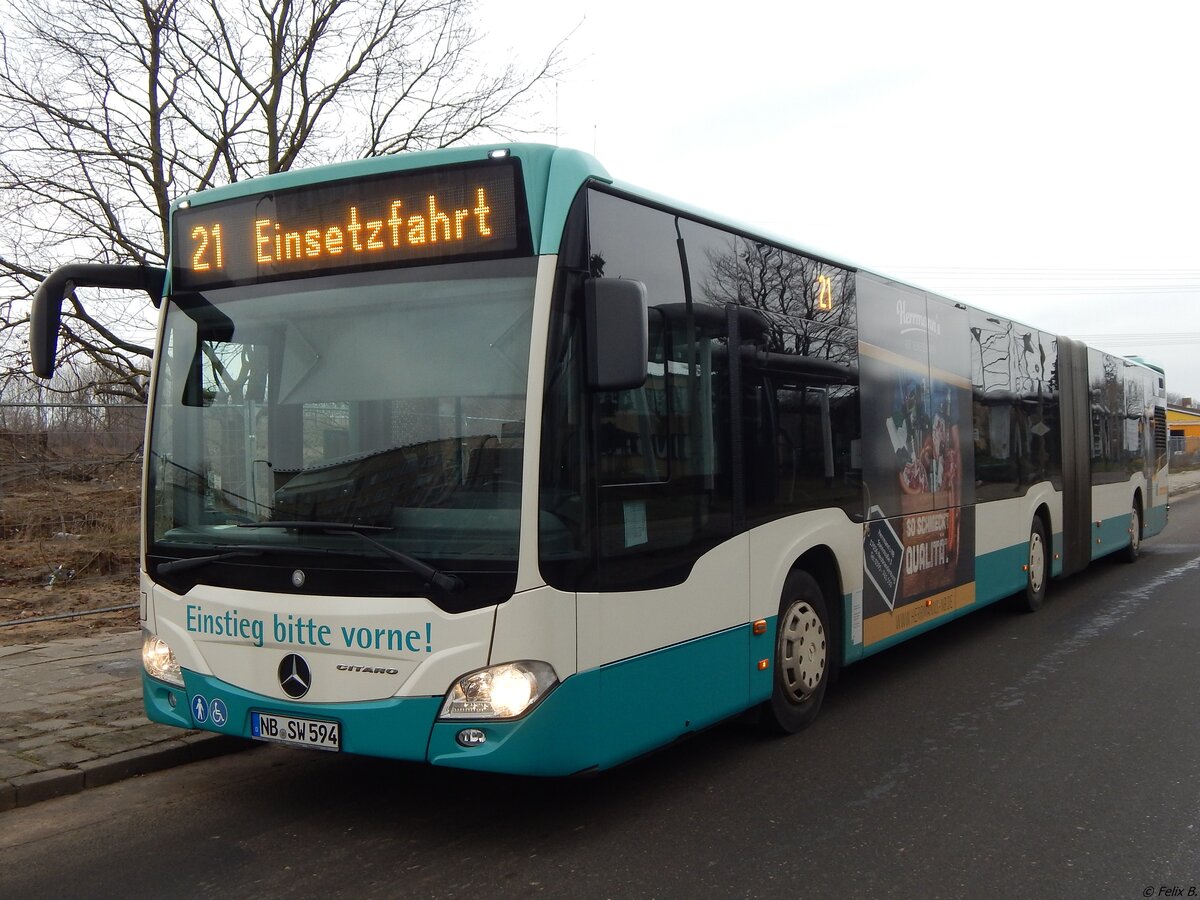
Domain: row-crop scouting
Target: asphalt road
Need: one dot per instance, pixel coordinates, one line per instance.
(1004, 755)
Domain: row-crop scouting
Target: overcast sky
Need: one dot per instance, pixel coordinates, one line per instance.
(1038, 159)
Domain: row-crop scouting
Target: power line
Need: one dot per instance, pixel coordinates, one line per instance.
(1020, 270)
(1065, 291)
(1146, 340)
(1061, 282)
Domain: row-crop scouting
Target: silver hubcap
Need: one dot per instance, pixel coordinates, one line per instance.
(1135, 533)
(1037, 562)
(801, 651)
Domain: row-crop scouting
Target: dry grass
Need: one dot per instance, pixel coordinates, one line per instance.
(68, 544)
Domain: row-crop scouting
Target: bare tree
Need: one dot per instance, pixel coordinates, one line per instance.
(109, 109)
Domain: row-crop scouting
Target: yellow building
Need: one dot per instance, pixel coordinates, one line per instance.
(1184, 425)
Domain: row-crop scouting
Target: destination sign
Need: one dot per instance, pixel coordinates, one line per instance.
(407, 218)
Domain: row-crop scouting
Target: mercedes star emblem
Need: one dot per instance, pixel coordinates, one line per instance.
(294, 676)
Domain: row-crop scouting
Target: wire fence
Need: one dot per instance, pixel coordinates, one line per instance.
(69, 439)
(45, 446)
(70, 478)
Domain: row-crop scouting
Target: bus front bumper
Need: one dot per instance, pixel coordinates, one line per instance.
(402, 728)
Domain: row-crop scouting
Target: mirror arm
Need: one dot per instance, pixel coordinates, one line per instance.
(45, 318)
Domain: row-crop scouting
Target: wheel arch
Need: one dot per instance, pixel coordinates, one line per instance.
(1138, 509)
(1042, 511)
(821, 563)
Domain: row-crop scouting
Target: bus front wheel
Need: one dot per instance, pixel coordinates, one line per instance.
(803, 656)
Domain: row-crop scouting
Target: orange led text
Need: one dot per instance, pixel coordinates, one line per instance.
(358, 232)
(824, 292)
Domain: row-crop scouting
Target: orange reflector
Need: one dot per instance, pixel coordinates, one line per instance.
(764, 664)
(1024, 568)
(760, 627)
(929, 603)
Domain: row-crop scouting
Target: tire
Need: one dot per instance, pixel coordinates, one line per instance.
(804, 657)
(1037, 570)
(1134, 548)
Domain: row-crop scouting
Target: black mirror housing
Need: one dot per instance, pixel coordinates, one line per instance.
(618, 333)
(46, 316)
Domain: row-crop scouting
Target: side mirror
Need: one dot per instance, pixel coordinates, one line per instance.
(618, 333)
(46, 316)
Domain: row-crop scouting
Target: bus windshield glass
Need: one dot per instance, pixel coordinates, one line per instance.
(393, 401)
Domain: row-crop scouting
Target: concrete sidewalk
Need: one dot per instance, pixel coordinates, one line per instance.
(71, 714)
(71, 718)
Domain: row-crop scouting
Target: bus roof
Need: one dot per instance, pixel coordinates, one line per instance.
(552, 175)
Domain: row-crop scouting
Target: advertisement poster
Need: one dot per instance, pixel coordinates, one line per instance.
(918, 465)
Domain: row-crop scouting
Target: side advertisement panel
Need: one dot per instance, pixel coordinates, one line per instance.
(918, 460)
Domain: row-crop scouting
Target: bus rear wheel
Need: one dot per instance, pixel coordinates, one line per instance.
(1134, 548)
(803, 656)
(1037, 570)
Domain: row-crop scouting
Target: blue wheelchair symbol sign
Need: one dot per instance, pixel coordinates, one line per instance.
(200, 709)
(218, 713)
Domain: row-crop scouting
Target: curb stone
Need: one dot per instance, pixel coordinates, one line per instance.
(26, 790)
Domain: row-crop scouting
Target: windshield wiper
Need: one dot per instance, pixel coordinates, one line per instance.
(440, 580)
(195, 562)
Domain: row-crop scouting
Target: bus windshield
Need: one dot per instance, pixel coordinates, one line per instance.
(392, 401)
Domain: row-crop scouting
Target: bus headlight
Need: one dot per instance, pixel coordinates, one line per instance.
(499, 692)
(159, 661)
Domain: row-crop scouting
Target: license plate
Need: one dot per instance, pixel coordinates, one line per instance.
(302, 732)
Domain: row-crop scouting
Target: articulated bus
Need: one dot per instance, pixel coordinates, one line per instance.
(482, 458)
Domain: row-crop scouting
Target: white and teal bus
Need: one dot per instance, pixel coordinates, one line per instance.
(482, 458)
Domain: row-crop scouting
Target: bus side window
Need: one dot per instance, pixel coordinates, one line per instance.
(808, 433)
(631, 426)
(663, 448)
(804, 440)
